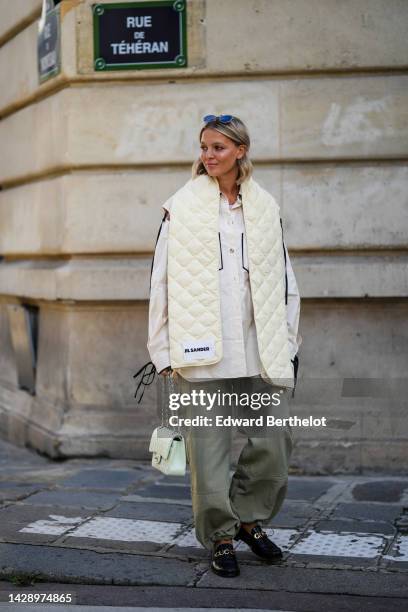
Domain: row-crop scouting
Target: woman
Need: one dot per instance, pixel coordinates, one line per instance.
(223, 317)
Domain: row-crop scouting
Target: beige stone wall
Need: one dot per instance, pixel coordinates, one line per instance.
(90, 157)
(15, 16)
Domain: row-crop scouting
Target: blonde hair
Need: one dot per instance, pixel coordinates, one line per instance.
(236, 131)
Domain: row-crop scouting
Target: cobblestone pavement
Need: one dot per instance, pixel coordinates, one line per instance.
(81, 524)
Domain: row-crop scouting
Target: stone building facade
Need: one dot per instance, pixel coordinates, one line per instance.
(87, 158)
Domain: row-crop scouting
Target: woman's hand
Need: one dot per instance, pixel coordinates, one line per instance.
(166, 372)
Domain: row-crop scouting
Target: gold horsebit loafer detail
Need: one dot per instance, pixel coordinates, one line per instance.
(226, 551)
(224, 562)
(259, 543)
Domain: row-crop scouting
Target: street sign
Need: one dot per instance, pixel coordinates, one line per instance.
(140, 35)
(48, 42)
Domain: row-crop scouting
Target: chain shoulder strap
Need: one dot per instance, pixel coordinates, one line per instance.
(171, 389)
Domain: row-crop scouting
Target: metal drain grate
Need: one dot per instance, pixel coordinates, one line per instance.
(127, 530)
(402, 544)
(187, 539)
(339, 545)
(55, 525)
(107, 528)
(399, 551)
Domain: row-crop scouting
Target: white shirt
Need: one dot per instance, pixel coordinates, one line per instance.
(239, 341)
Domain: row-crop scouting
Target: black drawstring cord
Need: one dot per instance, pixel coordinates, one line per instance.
(147, 377)
(295, 362)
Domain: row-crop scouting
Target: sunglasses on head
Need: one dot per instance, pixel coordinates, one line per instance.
(220, 118)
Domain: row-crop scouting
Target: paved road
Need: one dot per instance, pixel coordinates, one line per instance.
(117, 533)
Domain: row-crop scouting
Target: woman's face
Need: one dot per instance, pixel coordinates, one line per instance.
(219, 153)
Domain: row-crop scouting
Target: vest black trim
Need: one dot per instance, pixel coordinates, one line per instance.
(242, 252)
(222, 262)
(154, 252)
(286, 274)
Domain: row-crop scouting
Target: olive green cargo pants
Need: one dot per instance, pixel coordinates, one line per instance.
(258, 487)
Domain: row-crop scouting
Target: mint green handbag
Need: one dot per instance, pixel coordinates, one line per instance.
(169, 453)
(168, 447)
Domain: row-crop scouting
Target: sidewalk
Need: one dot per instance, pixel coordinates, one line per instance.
(118, 533)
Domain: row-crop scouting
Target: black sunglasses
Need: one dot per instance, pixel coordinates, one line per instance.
(220, 118)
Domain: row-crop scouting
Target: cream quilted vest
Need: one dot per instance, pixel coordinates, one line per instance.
(195, 331)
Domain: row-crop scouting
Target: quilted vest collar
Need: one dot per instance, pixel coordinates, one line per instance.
(195, 330)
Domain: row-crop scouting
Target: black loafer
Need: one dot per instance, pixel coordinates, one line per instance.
(223, 560)
(259, 543)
